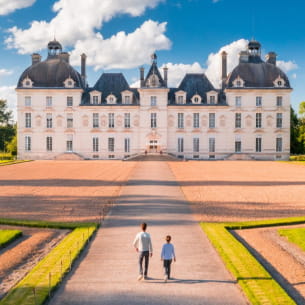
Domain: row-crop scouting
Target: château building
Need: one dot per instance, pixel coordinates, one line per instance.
(61, 116)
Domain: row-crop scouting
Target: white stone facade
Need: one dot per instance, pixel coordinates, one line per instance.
(252, 123)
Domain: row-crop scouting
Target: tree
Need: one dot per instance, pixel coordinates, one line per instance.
(5, 115)
(11, 147)
(301, 134)
(296, 146)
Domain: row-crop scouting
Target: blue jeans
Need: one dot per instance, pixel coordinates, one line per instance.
(143, 255)
(167, 267)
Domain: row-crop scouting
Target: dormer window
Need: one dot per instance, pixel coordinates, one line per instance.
(69, 83)
(127, 97)
(154, 82)
(212, 97)
(111, 99)
(95, 97)
(196, 99)
(238, 82)
(27, 83)
(279, 82)
(180, 97)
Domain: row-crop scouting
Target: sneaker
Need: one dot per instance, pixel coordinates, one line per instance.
(165, 278)
(140, 277)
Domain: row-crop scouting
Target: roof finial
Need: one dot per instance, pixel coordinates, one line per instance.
(154, 58)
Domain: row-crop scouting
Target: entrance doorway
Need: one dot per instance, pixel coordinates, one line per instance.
(153, 146)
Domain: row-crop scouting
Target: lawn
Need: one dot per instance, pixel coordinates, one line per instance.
(7, 236)
(37, 285)
(295, 236)
(256, 282)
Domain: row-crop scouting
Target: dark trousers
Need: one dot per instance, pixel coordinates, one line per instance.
(143, 255)
(167, 267)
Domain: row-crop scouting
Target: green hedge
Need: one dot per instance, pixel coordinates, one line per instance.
(256, 282)
(8, 236)
(36, 286)
(297, 158)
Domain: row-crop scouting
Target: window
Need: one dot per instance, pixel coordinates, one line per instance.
(28, 120)
(211, 145)
(259, 101)
(127, 120)
(279, 83)
(180, 99)
(28, 144)
(238, 83)
(279, 101)
(211, 120)
(127, 99)
(127, 145)
(27, 101)
(49, 101)
(49, 120)
(153, 101)
(238, 101)
(196, 120)
(49, 143)
(237, 120)
(279, 120)
(258, 144)
(212, 99)
(111, 144)
(279, 144)
(69, 101)
(111, 120)
(180, 120)
(180, 145)
(69, 143)
(95, 120)
(95, 99)
(95, 144)
(111, 99)
(237, 146)
(69, 120)
(258, 120)
(153, 120)
(195, 145)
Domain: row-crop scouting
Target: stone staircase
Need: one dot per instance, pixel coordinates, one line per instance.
(153, 157)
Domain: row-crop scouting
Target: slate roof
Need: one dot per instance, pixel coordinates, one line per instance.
(51, 73)
(154, 70)
(195, 83)
(111, 83)
(257, 75)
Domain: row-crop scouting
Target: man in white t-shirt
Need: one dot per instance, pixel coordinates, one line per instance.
(143, 246)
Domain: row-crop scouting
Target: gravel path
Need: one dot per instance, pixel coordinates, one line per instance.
(108, 271)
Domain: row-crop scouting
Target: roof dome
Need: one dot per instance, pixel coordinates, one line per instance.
(52, 72)
(257, 75)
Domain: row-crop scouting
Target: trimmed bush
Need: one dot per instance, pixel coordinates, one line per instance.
(8, 236)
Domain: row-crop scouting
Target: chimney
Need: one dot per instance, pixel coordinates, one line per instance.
(65, 56)
(83, 66)
(165, 70)
(271, 58)
(243, 56)
(223, 68)
(36, 58)
(142, 76)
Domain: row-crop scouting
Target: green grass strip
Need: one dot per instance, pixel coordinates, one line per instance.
(48, 273)
(295, 236)
(8, 236)
(11, 162)
(256, 282)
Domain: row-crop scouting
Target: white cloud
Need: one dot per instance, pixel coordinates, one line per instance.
(122, 51)
(213, 71)
(176, 72)
(294, 75)
(287, 66)
(74, 21)
(9, 6)
(8, 93)
(5, 72)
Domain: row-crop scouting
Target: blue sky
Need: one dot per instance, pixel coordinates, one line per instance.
(186, 34)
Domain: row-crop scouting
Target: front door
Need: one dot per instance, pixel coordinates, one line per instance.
(153, 146)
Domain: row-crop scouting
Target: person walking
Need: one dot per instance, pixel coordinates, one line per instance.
(143, 246)
(167, 254)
